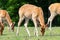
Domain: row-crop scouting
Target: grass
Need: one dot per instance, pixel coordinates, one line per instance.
(49, 35)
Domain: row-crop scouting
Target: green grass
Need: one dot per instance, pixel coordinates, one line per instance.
(53, 35)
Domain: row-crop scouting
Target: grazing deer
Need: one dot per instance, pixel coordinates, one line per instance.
(35, 13)
(54, 10)
(4, 15)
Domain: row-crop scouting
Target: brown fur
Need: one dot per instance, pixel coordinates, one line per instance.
(55, 7)
(54, 10)
(4, 14)
(33, 12)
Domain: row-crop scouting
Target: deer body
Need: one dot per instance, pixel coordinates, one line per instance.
(4, 15)
(54, 10)
(33, 12)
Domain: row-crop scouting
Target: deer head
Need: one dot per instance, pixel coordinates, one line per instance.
(43, 29)
(12, 26)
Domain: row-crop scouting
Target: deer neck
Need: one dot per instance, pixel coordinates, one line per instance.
(41, 19)
(8, 19)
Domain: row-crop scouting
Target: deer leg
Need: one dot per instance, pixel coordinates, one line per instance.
(2, 28)
(10, 27)
(35, 23)
(50, 24)
(26, 23)
(34, 32)
(19, 23)
(51, 19)
(48, 21)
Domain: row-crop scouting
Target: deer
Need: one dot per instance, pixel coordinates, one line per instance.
(29, 11)
(54, 11)
(4, 15)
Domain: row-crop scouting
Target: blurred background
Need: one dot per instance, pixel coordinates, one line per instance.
(12, 6)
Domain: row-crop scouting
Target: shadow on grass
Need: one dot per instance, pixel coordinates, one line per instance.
(42, 36)
(3, 34)
(52, 35)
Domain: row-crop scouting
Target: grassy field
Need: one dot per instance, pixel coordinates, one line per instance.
(53, 35)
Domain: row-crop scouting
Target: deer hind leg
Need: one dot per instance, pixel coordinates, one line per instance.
(19, 23)
(50, 19)
(35, 23)
(1, 28)
(26, 23)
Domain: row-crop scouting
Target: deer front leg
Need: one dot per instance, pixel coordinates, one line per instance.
(10, 27)
(26, 23)
(35, 23)
(19, 23)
